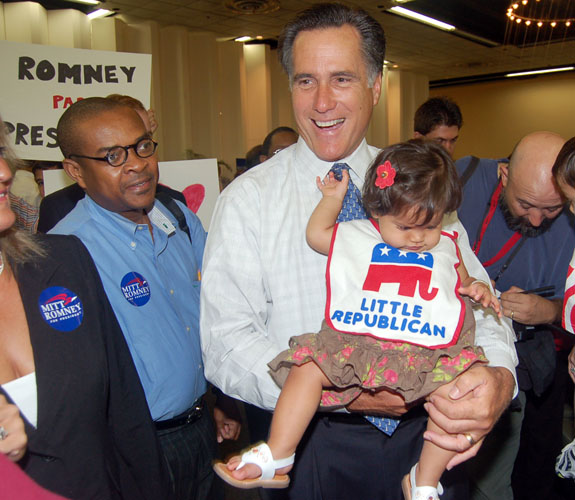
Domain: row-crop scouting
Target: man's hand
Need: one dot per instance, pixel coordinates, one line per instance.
(226, 427)
(475, 403)
(226, 417)
(384, 403)
(528, 308)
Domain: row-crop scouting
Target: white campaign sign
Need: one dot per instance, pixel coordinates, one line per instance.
(39, 82)
(196, 179)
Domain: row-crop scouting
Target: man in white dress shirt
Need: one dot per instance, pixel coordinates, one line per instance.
(262, 284)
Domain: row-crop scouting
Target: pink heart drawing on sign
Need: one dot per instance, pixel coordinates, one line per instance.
(194, 195)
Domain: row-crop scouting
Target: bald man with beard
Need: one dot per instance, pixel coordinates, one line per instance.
(519, 228)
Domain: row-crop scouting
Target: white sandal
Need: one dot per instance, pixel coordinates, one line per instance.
(413, 492)
(261, 456)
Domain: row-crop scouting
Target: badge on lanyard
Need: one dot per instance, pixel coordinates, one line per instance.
(136, 289)
(61, 308)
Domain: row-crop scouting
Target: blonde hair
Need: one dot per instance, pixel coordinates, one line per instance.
(16, 246)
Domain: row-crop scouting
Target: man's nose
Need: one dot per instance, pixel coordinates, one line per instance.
(324, 99)
(135, 162)
(535, 217)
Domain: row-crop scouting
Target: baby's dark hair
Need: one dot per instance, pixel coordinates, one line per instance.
(564, 166)
(426, 180)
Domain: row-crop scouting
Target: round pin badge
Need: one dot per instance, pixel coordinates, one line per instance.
(61, 308)
(136, 289)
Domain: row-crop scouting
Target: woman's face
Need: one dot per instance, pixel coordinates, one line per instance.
(7, 217)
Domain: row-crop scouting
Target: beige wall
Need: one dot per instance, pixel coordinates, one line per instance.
(497, 114)
(217, 99)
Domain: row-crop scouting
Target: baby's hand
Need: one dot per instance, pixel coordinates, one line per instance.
(330, 186)
(480, 292)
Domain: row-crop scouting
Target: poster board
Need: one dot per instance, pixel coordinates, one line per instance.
(39, 82)
(196, 179)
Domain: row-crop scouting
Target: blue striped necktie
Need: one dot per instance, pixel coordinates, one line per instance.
(352, 209)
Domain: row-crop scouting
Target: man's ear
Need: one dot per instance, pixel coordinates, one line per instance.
(74, 170)
(504, 173)
(417, 135)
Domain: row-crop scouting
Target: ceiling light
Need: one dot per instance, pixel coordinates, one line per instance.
(540, 71)
(416, 16)
(99, 13)
(242, 39)
(88, 2)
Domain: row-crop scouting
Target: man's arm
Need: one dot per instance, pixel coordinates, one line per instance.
(491, 387)
(234, 305)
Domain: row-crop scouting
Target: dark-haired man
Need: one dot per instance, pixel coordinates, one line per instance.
(517, 223)
(150, 266)
(277, 140)
(263, 284)
(439, 119)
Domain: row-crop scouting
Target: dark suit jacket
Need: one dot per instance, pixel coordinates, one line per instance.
(95, 438)
(58, 204)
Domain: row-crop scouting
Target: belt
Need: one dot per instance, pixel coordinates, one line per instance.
(188, 417)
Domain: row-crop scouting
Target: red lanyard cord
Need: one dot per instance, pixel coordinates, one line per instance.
(485, 224)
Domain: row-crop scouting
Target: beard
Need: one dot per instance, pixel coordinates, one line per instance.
(521, 224)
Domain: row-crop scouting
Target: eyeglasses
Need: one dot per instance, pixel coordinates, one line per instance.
(118, 155)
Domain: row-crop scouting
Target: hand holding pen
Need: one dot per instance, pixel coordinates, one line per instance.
(531, 307)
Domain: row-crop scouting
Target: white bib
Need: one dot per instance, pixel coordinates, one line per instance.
(375, 289)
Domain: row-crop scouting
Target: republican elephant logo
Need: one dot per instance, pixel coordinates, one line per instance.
(410, 270)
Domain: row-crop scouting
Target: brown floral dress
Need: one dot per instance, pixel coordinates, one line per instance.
(354, 363)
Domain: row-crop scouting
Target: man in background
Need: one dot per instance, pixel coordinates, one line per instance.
(149, 253)
(439, 119)
(277, 140)
(519, 228)
(58, 204)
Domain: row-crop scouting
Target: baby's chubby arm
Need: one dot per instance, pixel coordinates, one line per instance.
(323, 219)
(480, 292)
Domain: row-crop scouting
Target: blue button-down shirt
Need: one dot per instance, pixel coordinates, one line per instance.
(153, 285)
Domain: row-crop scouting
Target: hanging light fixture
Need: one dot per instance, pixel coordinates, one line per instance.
(541, 13)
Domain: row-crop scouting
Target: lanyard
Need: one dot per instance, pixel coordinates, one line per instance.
(485, 224)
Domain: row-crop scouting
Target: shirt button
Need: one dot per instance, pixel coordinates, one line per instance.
(187, 328)
(133, 244)
(140, 228)
(171, 292)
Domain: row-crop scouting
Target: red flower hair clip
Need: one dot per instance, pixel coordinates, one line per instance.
(385, 175)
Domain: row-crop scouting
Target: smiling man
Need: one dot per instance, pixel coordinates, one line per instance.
(150, 266)
(263, 284)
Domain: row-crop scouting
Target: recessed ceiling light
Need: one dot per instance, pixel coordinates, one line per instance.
(88, 2)
(100, 13)
(540, 71)
(416, 16)
(243, 39)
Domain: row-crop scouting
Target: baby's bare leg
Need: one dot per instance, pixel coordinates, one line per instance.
(433, 459)
(296, 406)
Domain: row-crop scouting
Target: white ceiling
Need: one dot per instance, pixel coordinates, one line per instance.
(410, 45)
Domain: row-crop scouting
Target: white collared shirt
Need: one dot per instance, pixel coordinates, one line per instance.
(263, 284)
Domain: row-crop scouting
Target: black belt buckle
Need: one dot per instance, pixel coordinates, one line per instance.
(195, 413)
(188, 417)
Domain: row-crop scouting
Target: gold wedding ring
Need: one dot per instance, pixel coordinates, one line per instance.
(468, 436)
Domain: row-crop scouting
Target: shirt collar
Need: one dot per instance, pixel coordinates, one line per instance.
(358, 161)
(157, 218)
